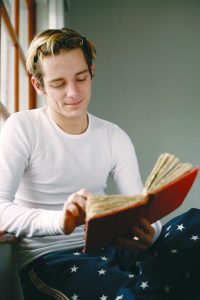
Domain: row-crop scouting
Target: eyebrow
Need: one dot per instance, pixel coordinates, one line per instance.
(77, 74)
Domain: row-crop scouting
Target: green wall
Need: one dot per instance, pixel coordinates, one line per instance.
(147, 77)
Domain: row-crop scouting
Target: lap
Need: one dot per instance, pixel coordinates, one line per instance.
(77, 275)
(168, 270)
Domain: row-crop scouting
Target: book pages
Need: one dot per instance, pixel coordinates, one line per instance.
(99, 205)
(171, 165)
(162, 162)
(182, 169)
(166, 169)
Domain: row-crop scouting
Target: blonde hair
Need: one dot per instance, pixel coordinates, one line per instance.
(50, 42)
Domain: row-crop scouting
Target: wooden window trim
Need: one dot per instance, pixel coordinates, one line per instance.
(31, 7)
(13, 33)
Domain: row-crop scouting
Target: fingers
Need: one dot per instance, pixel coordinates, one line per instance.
(144, 232)
(68, 219)
(84, 193)
(75, 204)
(142, 237)
(74, 211)
(146, 227)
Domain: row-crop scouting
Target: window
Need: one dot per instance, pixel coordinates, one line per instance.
(17, 28)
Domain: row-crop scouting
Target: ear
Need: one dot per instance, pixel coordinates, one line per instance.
(37, 86)
(92, 69)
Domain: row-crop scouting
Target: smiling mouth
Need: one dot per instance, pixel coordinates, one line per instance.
(73, 103)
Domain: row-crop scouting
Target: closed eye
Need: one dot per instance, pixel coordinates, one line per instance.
(82, 76)
(81, 79)
(57, 84)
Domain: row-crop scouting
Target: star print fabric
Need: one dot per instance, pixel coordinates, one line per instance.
(168, 270)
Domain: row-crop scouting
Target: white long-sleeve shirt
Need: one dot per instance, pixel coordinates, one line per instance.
(41, 165)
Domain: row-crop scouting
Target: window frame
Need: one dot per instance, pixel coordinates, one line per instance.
(19, 55)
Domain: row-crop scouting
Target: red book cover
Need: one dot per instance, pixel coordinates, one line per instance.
(168, 198)
(100, 231)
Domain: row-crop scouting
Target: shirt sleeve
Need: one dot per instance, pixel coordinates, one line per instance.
(15, 151)
(158, 227)
(125, 173)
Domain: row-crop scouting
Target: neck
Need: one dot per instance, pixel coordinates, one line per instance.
(71, 125)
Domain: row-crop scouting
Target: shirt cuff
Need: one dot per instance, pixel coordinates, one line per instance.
(158, 227)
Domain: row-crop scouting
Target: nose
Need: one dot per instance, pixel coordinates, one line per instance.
(72, 90)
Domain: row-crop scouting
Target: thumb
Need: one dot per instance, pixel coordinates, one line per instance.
(84, 193)
(68, 222)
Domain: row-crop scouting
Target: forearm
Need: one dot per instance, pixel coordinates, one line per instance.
(29, 222)
(16, 146)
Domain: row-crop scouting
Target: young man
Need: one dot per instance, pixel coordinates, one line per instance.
(51, 158)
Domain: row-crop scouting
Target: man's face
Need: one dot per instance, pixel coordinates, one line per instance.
(67, 84)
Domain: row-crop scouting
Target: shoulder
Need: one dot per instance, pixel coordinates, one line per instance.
(26, 118)
(104, 125)
(23, 126)
(25, 115)
(111, 134)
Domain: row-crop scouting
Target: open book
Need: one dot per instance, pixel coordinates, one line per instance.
(110, 216)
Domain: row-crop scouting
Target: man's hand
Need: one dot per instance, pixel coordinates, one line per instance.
(73, 213)
(141, 237)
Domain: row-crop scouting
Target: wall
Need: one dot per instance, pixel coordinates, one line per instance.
(147, 74)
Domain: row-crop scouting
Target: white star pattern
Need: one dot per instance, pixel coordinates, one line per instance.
(195, 237)
(103, 297)
(180, 227)
(138, 263)
(141, 280)
(119, 297)
(173, 251)
(167, 289)
(102, 272)
(144, 285)
(104, 258)
(77, 253)
(74, 269)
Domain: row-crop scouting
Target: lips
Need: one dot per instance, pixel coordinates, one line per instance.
(74, 103)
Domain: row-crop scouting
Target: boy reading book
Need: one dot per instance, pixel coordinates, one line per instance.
(49, 158)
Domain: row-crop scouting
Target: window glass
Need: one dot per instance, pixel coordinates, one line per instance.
(23, 25)
(16, 29)
(10, 8)
(7, 69)
(23, 92)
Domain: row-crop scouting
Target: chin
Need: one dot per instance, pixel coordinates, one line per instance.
(74, 114)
